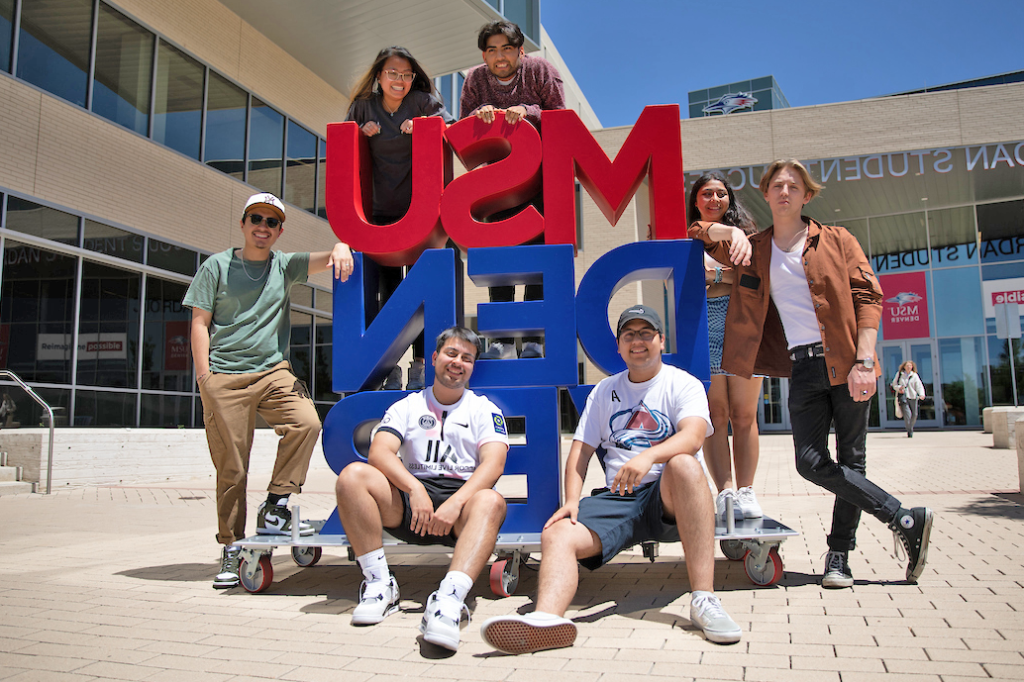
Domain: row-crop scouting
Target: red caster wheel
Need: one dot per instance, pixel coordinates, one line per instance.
(256, 578)
(504, 577)
(766, 575)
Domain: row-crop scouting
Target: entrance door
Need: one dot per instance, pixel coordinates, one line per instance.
(922, 353)
(773, 408)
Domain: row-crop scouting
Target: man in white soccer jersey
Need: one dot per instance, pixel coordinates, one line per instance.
(452, 443)
(651, 420)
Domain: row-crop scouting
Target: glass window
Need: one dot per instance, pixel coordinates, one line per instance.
(859, 229)
(101, 408)
(899, 243)
(301, 350)
(322, 389)
(165, 411)
(113, 242)
(53, 46)
(166, 358)
(526, 13)
(266, 142)
(324, 302)
(300, 180)
(1002, 231)
(179, 100)
(301, 294)
(37, 304)
(321, 182)
(459, 80)
(28, 413)
(124, 70)
(171, 257)
(225, 126)
(445, 89)
(956, 300)
(999, 369)
(952, 237)
(6, 32)
(108, 327)
(40, 221)
(963, 384)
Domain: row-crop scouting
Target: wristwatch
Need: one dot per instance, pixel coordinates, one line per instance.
(869, 363)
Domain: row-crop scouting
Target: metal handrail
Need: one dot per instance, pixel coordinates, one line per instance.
(49, 410)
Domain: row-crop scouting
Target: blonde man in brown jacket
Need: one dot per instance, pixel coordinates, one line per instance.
(806, 305)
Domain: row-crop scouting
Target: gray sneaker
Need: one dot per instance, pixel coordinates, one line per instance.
(706, 612)
(394, 380)
(228, 576)
(837, 571)
(532, 349)
(415, 380)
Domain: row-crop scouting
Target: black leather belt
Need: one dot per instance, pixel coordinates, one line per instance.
(811, 350)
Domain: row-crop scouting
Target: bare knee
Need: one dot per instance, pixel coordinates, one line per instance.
(489, 503)
(742, 416)
(686, 469)
(354, 477)
(719, 414)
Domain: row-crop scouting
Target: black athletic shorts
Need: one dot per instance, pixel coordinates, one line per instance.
(439, 490)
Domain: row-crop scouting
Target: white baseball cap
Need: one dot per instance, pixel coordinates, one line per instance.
(268, 201)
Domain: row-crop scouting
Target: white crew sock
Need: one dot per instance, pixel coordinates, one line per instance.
(374, 565)
(456, 584)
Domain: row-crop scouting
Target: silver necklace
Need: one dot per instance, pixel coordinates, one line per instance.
(266, 266)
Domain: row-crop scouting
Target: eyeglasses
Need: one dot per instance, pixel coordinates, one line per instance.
(646, 335)
(710, 193)
(256, 219)
(406, 76)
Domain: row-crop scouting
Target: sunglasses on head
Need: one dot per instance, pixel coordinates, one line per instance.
(256, 219)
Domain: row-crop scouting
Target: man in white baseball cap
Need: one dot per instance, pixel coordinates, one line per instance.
(241, 328)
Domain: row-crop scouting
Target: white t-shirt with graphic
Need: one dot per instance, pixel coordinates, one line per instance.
(626, 418)
(443, 441)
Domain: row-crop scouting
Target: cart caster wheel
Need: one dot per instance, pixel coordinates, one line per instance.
(769, 574)
(504, 577)
(733, 550)
(260, 578)
(306, 556)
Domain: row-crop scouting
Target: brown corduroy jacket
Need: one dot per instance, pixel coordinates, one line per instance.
(844, 290)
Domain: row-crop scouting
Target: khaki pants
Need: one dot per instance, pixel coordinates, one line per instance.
(230, 405)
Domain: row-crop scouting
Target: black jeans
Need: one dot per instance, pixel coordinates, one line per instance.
(814, 405)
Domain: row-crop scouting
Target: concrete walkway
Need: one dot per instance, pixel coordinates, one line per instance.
(114, 583)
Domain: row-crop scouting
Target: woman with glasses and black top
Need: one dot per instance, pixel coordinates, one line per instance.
(909, 390)
(394, 91)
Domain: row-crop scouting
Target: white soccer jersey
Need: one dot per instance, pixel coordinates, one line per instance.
(626, 418)
(443, 440)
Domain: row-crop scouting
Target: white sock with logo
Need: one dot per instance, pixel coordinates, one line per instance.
(456, 584)
(374, 565)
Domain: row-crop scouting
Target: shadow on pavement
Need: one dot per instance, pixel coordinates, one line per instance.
(1010, 505)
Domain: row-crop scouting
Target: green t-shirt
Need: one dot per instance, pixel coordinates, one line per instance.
(251, 308)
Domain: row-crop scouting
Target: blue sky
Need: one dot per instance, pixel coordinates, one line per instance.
(656, 51)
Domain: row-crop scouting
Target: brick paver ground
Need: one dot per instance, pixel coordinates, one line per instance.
(114, 583)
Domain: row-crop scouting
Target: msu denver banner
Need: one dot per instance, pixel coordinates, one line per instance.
(904, 306)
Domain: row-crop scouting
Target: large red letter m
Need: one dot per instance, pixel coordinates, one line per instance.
(654, 146)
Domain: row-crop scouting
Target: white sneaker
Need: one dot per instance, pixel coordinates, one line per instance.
(441, 620)
(747, 503)
(526, 634)
(720, 503)
(706, 612)
(377, 601)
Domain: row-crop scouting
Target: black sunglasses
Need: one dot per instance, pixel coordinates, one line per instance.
(256, 219)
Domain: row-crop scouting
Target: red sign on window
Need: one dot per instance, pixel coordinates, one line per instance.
(176, 345)
(904, 306)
